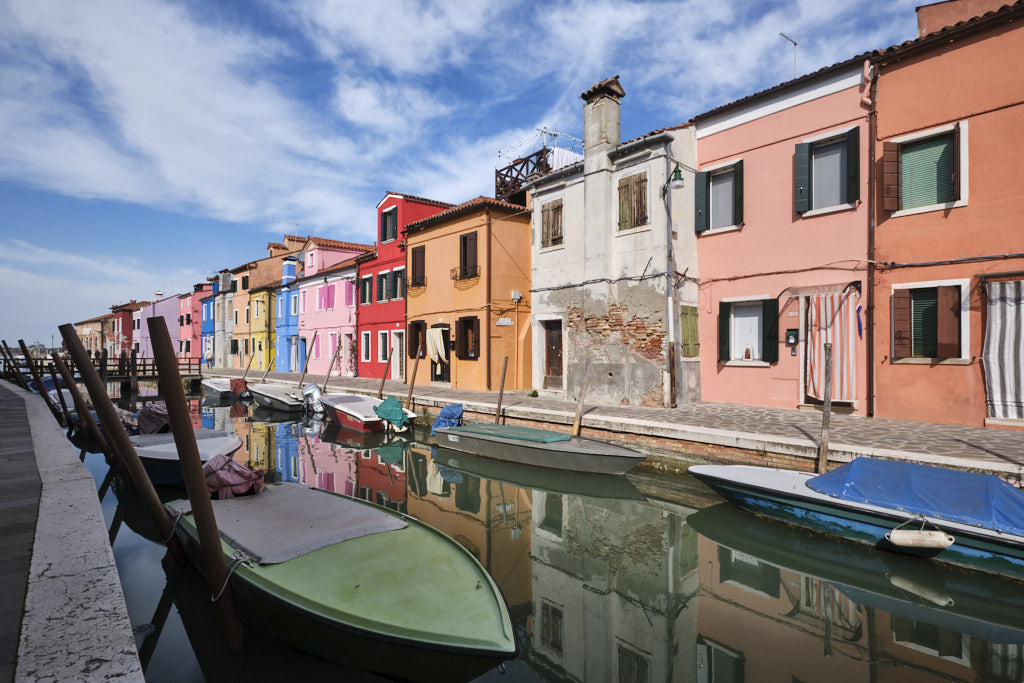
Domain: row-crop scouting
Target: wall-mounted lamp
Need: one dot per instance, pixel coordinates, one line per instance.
(676, 181)
(325, 279)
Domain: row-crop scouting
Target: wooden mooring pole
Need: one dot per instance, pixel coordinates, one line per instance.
(60, 397)
(334, 359)
(18, 377)
(415, 368)
(577, 422)
(380, 390)
(826, 413)
(501, 392)
(34, 369)
(309, 354)
(195, 480)
(85, 422)
(118, 439)
(103, 365)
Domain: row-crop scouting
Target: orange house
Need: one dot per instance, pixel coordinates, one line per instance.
(948, 246)
(467, 301)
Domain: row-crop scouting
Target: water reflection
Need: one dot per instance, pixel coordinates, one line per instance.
(608, 580)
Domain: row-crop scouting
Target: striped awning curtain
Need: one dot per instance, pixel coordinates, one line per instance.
(1003, 355)
(832, 318)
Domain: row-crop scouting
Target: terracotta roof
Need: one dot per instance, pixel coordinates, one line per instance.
(609, 86)
(659, 131)
(295, 238)
(324, 242)
(465, 207)
(276, 245)
(414, 198)
(92, 320)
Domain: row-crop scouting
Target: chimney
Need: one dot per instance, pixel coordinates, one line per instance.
(288, 270)
(601, 121)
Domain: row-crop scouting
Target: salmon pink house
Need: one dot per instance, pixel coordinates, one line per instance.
(190, 321)
(327, 305)
(781, 216)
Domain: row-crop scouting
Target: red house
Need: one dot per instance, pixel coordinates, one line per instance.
(381, 274)
(121, 330)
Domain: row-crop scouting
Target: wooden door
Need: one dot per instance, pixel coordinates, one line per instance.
(553, 354)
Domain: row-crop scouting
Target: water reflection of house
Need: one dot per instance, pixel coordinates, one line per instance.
(490, 519)
(328, 466)
(286, 451)
(612, 587)
(381, 475)
(786, 625)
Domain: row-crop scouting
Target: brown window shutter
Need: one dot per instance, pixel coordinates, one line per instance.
(639, 199)
(901, 324)
(545, 219)
(556, 222)
(471, 261)
(947, 336)
(418, 266)
(624, 203)
(956, 163)
(891, 176)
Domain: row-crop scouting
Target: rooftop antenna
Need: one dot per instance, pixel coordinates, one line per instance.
(794, 51)
(555, 134)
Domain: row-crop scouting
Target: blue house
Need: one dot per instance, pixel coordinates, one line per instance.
(290, 350)
(208, 337)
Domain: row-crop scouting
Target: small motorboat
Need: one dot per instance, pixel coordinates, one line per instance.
(358, 412)
(225, 388)
(539, 447)
(278, 397)
(963, 518)
(334, 576)
(159, 454)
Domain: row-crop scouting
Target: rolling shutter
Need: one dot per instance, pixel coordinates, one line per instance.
(927, 170)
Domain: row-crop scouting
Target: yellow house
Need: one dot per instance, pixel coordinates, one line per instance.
(467, 300)
(262, 329)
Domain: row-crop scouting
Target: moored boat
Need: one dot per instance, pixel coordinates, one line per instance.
(963, 518)
(334, 576)
(159, 454)
(356, 412)
(278, 397)
(225, 388)
(539, 447)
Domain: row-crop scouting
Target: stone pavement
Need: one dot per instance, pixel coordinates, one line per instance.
(62, 611)
(791, 432)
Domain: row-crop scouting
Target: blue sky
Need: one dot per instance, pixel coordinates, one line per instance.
(146, 144)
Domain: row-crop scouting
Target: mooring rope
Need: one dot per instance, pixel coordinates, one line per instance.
(238, 558)
(174, 524)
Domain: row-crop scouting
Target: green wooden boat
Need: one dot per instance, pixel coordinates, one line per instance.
(359, 584)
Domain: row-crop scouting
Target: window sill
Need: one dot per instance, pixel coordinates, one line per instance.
(746, 364)
(931, 361)
(552, 247)
(829, 209)
(927, 209)
(646, 227)
(715, 231)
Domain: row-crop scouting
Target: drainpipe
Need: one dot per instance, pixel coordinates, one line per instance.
(872, 180)
(670, 280)
(486, 327)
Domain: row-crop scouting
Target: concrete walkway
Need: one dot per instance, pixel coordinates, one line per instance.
(792, 433)
(62, 612)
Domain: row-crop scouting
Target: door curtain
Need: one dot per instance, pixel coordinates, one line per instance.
(1003, 354)
(833, 318)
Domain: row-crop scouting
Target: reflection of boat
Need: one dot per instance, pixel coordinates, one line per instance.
(278, 397)
(159, 454)
(539, 447)
(906, 586)
(334, 433)
(975, 518)
(592, 484)
(356, 412)
(347, 590)
(271, 416)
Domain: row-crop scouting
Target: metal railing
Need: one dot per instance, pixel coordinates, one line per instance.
(465, 272)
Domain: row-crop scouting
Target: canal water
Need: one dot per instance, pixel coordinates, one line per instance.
(618, 579)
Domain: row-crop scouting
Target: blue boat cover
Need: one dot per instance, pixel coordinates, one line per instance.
(450, 416)
(976, 499)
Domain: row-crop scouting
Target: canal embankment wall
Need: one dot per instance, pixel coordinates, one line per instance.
(73, 623)
(674, 438)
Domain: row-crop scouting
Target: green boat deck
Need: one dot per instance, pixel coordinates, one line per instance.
(512, 432)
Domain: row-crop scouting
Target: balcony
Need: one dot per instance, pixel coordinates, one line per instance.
(465, 272)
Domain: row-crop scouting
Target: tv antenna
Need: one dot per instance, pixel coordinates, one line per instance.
(794, 50)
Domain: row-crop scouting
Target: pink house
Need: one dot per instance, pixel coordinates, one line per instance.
(781, 214)
(166, 308)
(327, 304)
(190, 322)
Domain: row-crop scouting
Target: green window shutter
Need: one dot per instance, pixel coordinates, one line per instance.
(737, 196)
(770, 330)
(724, 320)
(639, 182)
(802, 177)
(927, 171)
(625, 203)
(690, 333)
(701, 201)
(853, 165)
(924, 322)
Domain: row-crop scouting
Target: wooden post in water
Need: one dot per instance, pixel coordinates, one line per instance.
(412, 384)
(34, 369)
(577, 421)
(269, 365)
(103, 365)
(309, 354)
(380, 390)
(501, 392)
(330, 367)
(18, 377)
(85, 421)
(133, 375)
(826, 412)
(195, 480)
(60, 397)
(117, 437)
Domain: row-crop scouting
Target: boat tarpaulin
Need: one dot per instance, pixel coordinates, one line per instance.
(966, 497)
(391, 410)
(450, 416)
(514, 432)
